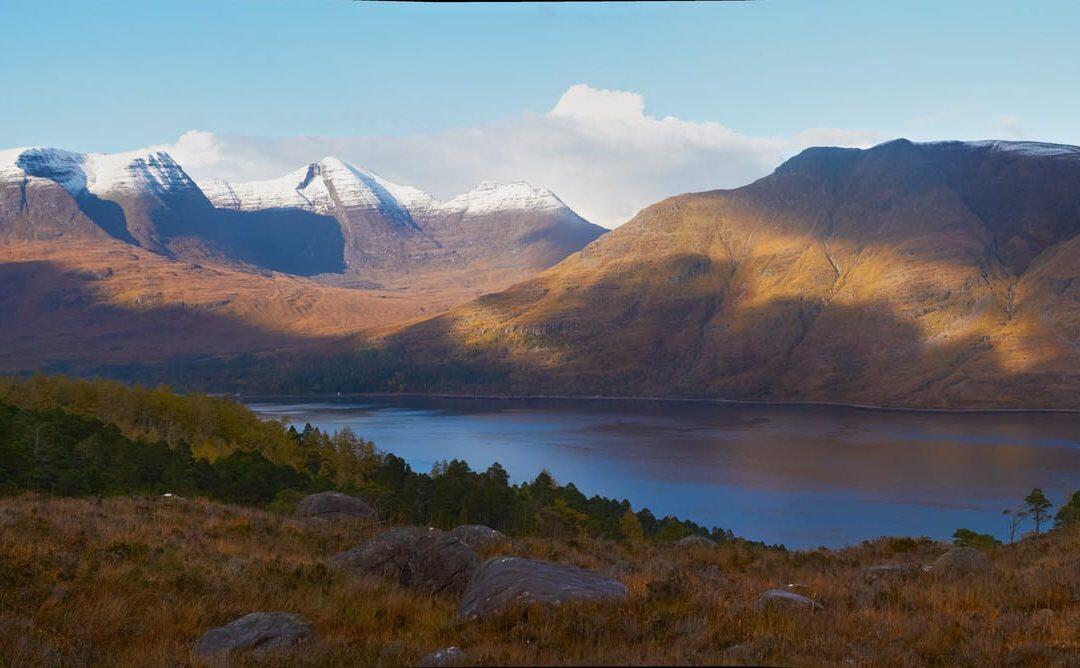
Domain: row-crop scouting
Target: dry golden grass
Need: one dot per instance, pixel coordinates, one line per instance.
(135, 582)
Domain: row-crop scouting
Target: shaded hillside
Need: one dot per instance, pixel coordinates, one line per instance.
(909, 274)
(70, 303)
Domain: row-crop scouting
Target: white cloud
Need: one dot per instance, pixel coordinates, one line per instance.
(582, 101)
(196, 149)
(596, 149)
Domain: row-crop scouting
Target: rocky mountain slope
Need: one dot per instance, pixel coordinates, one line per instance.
(506, 231)
(940, 274)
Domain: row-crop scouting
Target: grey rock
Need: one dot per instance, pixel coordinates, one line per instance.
(450, 656)
(875, 582)
(889, 572)
(502, 583)
(335, 506)
(695, 541)
(478, 536)
(963, 561)
(258, 632)
(786, 599)
(619, 569)
(427, 560)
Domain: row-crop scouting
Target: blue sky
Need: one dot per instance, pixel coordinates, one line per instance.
(112, 75)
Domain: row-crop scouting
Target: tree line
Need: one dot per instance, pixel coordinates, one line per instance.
(74, 437)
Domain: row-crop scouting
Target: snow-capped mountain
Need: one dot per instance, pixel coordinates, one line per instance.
(391, 227)
(327, 187)
(332, 184)
(134, 172)
(327, 217)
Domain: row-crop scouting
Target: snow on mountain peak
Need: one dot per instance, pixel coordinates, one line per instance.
(324, 185)
(321, 187)
(489, 197)
(1028, 148)
(142, 171)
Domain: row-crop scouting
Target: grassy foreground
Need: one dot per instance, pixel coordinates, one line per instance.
(132, 581)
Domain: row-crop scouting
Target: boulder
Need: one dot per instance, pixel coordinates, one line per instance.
(962, 561)
(876, 581)
(259, 632)
(450, 656)
(620, 569)
(889, 572)
(502, 583)
(427, 560)
(335, 506)
(478, 536)
(695, 541)
(786, 599)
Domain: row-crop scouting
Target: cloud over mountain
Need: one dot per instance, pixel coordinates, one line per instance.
(598, 149)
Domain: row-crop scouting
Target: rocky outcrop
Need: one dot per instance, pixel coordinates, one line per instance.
(478, 536)
(259, 632)
(695, 541)
(426, 560)
(782, 599)
(335, 506)
(503, 583)
(961, 562)
(875, 582)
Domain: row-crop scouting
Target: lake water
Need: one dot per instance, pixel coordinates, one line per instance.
(801, 476)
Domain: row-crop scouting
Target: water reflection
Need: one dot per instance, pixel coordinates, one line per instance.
(802, 476)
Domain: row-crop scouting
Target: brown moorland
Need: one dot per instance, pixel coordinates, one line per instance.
(77, 301)
(929, 275)
(132, 581)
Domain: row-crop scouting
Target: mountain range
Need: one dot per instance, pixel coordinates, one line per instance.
(910, 274)
(124, 258)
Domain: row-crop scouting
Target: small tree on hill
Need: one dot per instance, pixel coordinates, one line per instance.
(1016, 518)
(979, 541)
(1038, 506)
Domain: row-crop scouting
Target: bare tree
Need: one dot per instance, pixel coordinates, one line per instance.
(1016, 517)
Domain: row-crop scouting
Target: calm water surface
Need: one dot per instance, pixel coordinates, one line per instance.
(801, 476)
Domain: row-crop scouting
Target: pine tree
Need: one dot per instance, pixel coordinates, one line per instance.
(1038, 506)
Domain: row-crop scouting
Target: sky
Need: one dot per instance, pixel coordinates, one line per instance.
(612, 106)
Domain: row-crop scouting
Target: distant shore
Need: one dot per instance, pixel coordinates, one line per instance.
(628, 399)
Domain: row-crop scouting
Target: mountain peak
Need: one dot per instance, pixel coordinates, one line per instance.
(141, 171)
(492, 197)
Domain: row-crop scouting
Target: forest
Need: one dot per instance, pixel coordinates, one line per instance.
(74, 437)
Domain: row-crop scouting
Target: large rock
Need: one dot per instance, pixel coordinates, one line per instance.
(258, 632)
(962, 561)
(781, 598)
(502, 583)
(695, 541)
(875, 582)
(335, 506)
(889, 572)
(478, 536)
(427, 560)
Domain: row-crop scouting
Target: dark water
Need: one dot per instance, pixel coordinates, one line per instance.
(802, 476)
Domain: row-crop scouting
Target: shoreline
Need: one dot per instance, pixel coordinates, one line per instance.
(628, 399)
